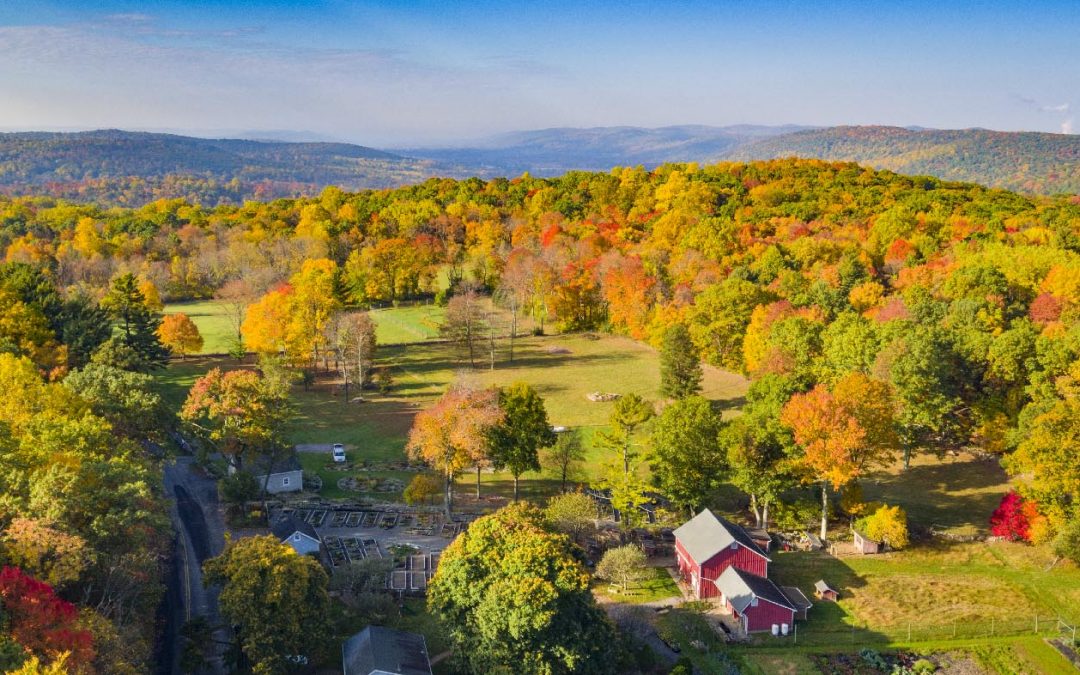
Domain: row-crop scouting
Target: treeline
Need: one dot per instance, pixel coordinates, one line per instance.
(84, 534)
(955, 304)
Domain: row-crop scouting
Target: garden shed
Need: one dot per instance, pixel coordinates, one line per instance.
(864, 544)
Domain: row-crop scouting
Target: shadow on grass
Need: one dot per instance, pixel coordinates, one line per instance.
(958, 493)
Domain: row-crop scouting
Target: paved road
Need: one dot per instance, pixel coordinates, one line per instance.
(200, 535)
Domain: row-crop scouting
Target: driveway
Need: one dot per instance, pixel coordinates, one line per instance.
(200, 535)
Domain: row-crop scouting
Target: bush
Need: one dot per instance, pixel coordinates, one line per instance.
(573, 513)
(797, 515)
(923, 667)
(1012, 518)
(239, 487)
(421, 489)
(1067, 542)
(887, 524)
(684, 666)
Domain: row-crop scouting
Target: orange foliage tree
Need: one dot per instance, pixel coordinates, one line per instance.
(180, 334)
(842, 432)
(454, 433)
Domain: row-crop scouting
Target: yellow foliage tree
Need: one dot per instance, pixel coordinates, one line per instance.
(152, 298)
(266, 321)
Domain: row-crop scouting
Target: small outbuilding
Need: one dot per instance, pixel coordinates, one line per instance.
(864, 544)
(798, 600)
(706, 545)
(822, 591)
(378, 650)
(286, 475)
(756, 601)
(296, 533)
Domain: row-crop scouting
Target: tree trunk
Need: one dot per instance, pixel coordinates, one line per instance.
(563, 488)
(907, 456)
(765, 515)
(515, 487)
(824, 510)
(478, 481)
(513, 329)
(754, 508)
(448, 493)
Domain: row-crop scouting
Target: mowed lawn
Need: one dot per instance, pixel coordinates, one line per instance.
(212, 321)
(563, 369)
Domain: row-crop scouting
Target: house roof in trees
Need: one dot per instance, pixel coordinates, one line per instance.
(278, 465)
(286, 526)
(741, 587)
(706, 534)
(385, 651)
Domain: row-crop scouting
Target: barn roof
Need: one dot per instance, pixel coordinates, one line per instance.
(706, 534)
(378, 649)
(741, 587)
(285, 526)
(796, 597)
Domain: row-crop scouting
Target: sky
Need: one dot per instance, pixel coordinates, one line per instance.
(395, 74)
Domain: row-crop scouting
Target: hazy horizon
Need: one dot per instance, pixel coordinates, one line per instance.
(427, 73)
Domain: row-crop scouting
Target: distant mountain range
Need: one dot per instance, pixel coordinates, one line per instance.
(133, 167)
(552, 152)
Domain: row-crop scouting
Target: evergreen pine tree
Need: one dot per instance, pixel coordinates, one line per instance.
(137, 325)
(680, 364)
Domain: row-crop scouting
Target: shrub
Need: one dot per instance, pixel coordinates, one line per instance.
(240, 487)
(923, 667)
(1012, 518)
(1067, 542)
(887, 524)
(422, 489)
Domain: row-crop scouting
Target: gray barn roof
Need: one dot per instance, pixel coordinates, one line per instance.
(285, 526)
(381, 650)
(740, 587)
(705, 535)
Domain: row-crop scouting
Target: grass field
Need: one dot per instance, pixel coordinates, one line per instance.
(658, 586)
(214, 326)
(562, 368)
(393, 325)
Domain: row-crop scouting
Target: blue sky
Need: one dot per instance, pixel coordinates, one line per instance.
(401, 73)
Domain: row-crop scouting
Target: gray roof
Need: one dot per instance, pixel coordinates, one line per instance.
(740, 587)
(820, 586)
(705, 535)
(286, 526)
(378, 649)
(797, 597)
(279, 465)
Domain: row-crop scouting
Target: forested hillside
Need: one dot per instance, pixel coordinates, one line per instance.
(877, 316)
(120, 167)
(1037, 163)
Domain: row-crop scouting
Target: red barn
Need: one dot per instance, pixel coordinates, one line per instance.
(754, 600)
(706, 545)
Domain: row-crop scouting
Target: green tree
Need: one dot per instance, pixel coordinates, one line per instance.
(572, 513)
(513, 597)
(630, 412)
(688, 462)
(680, 364)
(276, 598)
(565, 456)
(126, 399)
(516, 441)
(623, 566)
(137, 324)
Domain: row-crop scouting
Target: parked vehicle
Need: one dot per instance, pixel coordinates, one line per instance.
(339, 452)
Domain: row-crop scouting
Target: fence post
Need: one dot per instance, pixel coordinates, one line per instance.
(795, 635)
(1036, 623)
(909, 631)
(993, 624)
(954, 628)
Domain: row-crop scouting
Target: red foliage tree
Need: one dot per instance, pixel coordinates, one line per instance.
(41, 622)
(1045, 309)
(1012, 518)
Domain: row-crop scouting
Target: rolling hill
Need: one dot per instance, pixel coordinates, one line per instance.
(1030, 162)
(129, 167)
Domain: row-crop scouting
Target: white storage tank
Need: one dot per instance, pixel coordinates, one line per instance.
(775, 629)
(784, 629)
